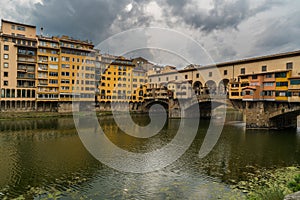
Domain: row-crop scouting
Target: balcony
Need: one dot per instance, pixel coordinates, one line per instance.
(26, 53)
(47, 97)
(47, 90)
(26, 60)
(26, 76)
(26, 45)
(42, 68)
(49, 46)
(43, 60)
(42, 77)
(24, 69)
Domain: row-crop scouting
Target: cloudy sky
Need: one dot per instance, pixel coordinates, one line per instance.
(227, 29)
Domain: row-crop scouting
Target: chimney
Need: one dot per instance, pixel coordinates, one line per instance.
(42, 31)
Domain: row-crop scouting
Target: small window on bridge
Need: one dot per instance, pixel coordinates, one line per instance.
(234, 94)
(243, 70)
(264, 68)
(289, 65)
(254, 77)
(225, 72)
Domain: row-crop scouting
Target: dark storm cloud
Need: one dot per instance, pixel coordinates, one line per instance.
(234, 22)
(81, 19)
(223, 15)
(280, 35)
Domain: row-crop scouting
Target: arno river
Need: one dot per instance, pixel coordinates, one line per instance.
(44, 157)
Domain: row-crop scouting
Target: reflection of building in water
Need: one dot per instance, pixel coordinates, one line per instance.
(42, 152)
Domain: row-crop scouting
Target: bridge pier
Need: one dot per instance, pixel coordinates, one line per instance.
(255, 115)
(175, 110)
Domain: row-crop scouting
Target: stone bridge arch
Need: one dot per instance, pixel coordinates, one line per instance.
(285, 116)
(148, 104)
(223, 87)
(198, 86)
(211, 87)
(204, 107)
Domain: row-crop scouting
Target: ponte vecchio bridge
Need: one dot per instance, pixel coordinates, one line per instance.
(266, 89)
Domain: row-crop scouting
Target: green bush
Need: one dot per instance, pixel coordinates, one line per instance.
(267, 194)
(294, 185)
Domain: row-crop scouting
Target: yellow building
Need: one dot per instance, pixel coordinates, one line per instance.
(48, 69)
(44, 73)
(122, 82)
(76, 70)
(18, 65)
(282, 83)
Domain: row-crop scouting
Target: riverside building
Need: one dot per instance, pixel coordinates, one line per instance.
(44, 73)
(122, 82)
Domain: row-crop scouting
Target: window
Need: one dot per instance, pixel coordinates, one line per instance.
(21, 28)
(175, 78)
(51, 81)
(281, 94)
(167, 78)
(13, 27)
(5, 83)
(54, 59)
(280, 75)
(243, 70)
(254, 77)
(289, 65)
(234, 94)
(6, 47)
(65, 73)
(6, 56)
(269, 75)
(267, 93)
(53, 66)
(269, 84)
(65, 59)
(53, 73)
(65, 81)
(281, 84)
(5, 74)
(225, 72)
(197, 75)
(210, 74)
(264, 68)
(65, 66)
(186, 76)
(6, 65)
(295, 82)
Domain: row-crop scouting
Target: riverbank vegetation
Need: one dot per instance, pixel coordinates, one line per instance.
(270, 184)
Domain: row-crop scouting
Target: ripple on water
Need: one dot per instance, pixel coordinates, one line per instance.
(38, 156)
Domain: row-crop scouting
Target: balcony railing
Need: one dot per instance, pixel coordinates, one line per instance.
(26, 76)
(31, 60)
